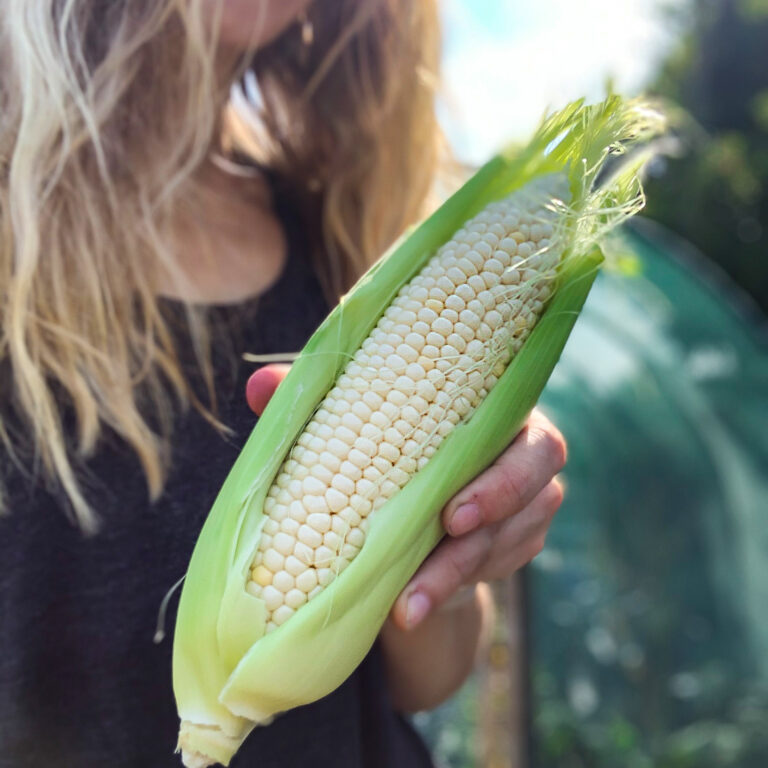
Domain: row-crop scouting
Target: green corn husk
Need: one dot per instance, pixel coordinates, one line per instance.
(228, 674)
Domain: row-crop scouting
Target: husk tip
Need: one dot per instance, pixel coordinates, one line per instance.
(204, 745)
(195, 759)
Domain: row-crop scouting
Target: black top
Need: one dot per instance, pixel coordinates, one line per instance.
(82, 685)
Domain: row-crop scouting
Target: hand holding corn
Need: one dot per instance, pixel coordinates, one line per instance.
(495, 525)
(413, 386)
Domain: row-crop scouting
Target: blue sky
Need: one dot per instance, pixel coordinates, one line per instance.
(505, 62)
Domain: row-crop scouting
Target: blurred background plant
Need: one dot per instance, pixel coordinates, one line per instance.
(639, 637)
(716, 193)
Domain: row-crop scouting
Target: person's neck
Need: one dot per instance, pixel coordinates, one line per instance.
(230, 246)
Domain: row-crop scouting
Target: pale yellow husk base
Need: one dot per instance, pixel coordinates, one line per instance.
(204, 745)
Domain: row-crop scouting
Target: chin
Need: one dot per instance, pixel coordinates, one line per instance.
(247, 24)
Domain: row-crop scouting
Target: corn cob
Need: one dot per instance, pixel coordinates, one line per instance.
(413, 384)
(435, 354)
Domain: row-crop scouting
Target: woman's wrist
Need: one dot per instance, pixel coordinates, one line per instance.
(426, 664)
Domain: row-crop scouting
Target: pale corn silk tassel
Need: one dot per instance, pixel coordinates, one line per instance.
(433, 357)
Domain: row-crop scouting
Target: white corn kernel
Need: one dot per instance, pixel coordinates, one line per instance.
(272, 597)
(319, 522)
(336, 500)
(309, 536)
(343, 484)
(282, 543)
(316, 505)
(295, 598)
(282, 614)
(283, 581)
(307, 580)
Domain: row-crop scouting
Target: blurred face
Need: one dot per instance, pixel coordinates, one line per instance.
(251, 23)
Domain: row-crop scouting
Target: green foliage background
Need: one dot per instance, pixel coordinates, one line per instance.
(715, 194)
(647, 615)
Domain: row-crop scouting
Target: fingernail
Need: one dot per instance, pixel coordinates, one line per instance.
(417, 608)
(464, 519)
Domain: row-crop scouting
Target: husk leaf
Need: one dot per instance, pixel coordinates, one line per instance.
(228, 674)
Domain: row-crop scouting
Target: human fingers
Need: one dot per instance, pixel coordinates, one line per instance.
(536, 455)
(262, 385)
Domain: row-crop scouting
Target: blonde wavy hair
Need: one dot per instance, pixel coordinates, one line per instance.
(107, 111)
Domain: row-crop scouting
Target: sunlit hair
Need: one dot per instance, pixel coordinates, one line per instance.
(348, 120)
(107, 110)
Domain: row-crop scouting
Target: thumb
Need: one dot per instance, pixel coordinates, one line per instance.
(262, 385)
